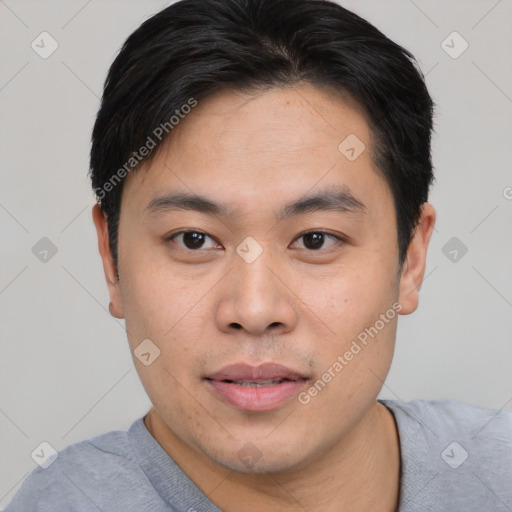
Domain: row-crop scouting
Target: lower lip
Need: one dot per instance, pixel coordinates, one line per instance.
(257, 399)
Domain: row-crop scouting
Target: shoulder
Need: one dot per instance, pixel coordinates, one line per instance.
(81, 477)
(454, 452)
(449, 417)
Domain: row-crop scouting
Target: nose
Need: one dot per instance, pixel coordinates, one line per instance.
(256, 298)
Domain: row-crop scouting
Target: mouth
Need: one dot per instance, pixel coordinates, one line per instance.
(257, 383)
(256, 388)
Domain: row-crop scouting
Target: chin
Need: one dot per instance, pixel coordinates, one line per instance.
(255, 459)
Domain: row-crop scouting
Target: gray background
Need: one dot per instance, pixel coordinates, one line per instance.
(66, 373)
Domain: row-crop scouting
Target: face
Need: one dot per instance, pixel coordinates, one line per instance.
(259, 288)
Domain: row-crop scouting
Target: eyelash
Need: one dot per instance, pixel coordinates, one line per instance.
(339, 238)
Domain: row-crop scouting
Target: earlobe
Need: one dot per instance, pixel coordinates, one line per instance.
(100, 222)
(414, 265)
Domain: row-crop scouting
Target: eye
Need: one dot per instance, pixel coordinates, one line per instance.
(192, 240)
(314, 240)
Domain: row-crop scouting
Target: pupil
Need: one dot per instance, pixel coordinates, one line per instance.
(193, 240)
(314, 240)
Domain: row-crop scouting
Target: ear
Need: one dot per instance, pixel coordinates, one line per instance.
(414, 265)
(100, 221)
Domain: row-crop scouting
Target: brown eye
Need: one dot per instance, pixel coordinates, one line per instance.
(315, 240)
(192, 240)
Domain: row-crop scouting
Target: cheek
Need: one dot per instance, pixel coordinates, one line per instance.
(157, 302)
(360, 347)
(171, 313)
(355, 365)
(353, 296)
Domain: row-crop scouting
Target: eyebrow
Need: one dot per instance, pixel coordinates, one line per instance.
(338, 199)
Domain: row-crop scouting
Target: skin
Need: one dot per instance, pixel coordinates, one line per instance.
(293, 305)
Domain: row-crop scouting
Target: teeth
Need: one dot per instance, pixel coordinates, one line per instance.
(259, 383)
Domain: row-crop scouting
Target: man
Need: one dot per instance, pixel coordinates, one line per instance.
(262, 169)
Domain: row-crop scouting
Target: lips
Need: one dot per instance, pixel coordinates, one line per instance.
(256, 388)
(245, 372)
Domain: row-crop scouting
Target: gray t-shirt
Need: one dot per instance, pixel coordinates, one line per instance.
(454, 458)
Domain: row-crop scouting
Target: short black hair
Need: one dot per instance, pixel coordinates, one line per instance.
(194, 48)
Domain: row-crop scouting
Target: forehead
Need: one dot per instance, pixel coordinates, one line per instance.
(279, 121)
(250, 147)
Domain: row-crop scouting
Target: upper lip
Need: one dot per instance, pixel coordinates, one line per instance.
(246, 372)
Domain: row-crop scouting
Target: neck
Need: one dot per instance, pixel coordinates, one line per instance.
(360, 473)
